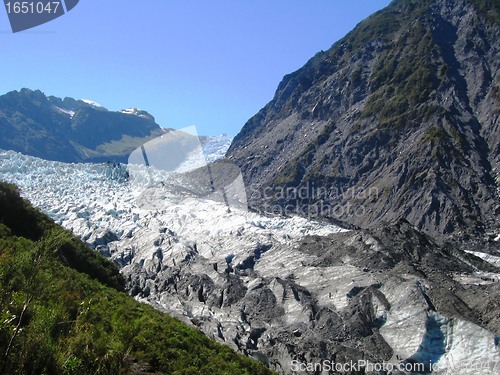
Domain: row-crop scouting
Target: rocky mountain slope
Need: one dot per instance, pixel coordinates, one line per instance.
(287, 291)
(399, 119)
(71, 130)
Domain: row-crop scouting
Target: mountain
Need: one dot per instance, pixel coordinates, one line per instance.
(286, 290)
(400, 119)
(63, 310)
(71, 130)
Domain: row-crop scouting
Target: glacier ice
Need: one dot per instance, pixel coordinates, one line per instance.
(98, 205)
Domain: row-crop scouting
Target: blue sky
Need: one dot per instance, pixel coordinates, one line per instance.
(212, 64)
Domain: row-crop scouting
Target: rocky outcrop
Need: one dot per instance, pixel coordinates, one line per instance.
(399, 119)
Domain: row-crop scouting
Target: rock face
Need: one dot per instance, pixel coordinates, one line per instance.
(399, 119)
(287, 291)
(71, 130)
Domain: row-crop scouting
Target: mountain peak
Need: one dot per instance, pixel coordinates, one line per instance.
(70, 130)
(398, 119)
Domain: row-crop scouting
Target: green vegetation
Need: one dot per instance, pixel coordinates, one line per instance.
(409, 68)
(386, 22)
(436, 134)
(403, 78)
(291, 175)
(488, 8)
(125, 145)
(356, 76)
(63, 311)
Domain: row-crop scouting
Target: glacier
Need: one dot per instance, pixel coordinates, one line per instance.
(245, 279)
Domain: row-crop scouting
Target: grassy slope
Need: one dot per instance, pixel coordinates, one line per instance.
(63, 311)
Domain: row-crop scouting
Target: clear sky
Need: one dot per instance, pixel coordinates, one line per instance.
(209, 63)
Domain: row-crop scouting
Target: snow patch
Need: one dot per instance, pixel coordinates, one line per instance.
(92, 103)
(491, 259)
(65, 111)
(136, 112)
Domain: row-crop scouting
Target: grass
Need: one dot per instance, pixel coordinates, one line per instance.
(63, 310)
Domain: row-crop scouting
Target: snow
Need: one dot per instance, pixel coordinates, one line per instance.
(494, 260)
(84, 197)
(131, 110)
(66, 111)
(136, 112)
(216, 147)
(92, 103)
